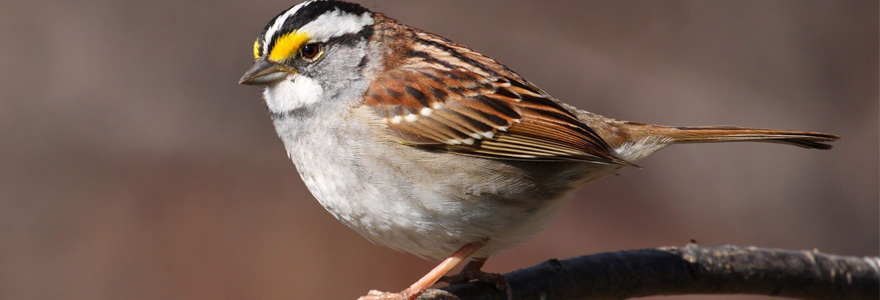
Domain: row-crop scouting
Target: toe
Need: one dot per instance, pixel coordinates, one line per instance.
(379, 295)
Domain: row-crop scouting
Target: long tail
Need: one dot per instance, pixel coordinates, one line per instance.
(710, 134)
(643, 139)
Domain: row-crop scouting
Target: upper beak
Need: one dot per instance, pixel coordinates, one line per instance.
(264, 72)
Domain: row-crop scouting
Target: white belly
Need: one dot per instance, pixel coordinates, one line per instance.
(429, 208)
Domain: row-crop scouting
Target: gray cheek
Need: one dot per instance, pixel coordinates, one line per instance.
(340, 77)
(342, 63)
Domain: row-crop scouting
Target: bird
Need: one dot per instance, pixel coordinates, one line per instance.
(428, 147)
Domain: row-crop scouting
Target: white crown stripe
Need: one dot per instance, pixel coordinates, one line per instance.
(335, 24)
(329, 25)
(270, 33)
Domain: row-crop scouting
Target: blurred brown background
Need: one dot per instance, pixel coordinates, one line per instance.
(134, 167)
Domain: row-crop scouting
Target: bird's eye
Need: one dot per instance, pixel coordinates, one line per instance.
(311, 51)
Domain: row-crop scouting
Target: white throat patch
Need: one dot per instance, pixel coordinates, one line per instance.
(292, 93)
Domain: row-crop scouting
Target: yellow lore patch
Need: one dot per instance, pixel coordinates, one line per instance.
(257, 49)
(287, 45)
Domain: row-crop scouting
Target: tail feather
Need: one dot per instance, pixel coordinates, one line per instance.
(709, 134)
(636, 140)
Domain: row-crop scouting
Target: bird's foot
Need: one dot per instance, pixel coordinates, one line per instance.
(472, 272)
(377, 295)
(416, 289)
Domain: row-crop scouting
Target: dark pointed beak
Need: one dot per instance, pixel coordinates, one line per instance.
(264, 72)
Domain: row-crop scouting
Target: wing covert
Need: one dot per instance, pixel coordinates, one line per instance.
(471, 114)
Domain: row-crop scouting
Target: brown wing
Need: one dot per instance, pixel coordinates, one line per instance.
(470, 114)
(437, 94)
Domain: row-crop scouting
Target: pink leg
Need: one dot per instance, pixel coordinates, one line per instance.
(429, 279)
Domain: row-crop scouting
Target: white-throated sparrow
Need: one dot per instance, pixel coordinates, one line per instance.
(428, 147)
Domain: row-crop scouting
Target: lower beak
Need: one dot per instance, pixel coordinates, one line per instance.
(264, 72)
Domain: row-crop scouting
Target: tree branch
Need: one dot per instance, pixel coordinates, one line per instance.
(688, 270)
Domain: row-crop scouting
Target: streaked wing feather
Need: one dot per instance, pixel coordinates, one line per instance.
(460, 101)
